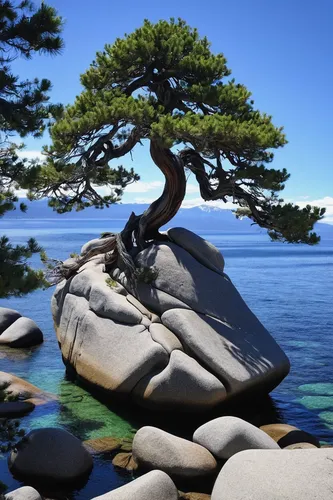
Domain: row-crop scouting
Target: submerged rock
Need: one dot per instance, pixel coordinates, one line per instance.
(107, 445)
(125, 461)
(51, 456)
(226, 436)
(182, 337)
(16, 331)
(16, 388)
(272, 475)
(13, 409)
(193, 496)
(156, 449)
(154, 485)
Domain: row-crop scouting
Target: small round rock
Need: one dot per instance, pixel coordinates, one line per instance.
(50, 455)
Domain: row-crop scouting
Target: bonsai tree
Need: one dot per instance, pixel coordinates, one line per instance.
(24, 30)
(162, 85)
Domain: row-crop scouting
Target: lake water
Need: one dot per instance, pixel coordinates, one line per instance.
(289, 287)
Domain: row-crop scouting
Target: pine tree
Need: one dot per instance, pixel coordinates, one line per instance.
(24, 109)
(163, 85)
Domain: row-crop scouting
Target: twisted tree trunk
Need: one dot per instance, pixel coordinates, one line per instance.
(141, 229)
(161, 211)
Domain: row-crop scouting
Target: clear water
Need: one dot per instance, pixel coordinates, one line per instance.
(289, 287)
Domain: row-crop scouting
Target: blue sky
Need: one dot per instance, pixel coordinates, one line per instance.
(282, 51)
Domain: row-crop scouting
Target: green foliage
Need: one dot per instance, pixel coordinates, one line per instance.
(111, 283)
(24, 109)
(16, 277)
(164, 84)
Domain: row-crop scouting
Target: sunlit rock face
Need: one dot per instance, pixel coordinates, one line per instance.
(181, 337)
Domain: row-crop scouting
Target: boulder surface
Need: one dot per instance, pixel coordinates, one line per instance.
(24, 493)
(50, 455)
(156, 485)
(154, 448)
(17, 331)
(181, 338)
(275, 475)
(226, 436)
(7, 317)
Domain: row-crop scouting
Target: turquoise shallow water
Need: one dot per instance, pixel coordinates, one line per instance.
(289, 287)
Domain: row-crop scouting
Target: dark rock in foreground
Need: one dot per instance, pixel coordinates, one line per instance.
(51, 456)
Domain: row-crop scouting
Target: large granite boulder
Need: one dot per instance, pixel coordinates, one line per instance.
(16, 331)
(156, 485)
(274, 475)
(181, 337)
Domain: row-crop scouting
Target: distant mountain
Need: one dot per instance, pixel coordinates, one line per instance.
(200, 218)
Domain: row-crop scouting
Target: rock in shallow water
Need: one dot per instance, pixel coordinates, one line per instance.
(15, 409)
(156, 485)
(23, 332)
(227, 351)
(276, 475)
(24, 493)
(226, 436)
(22, 390)
(7, 317)
(154, 448)
(288, 435)
(50, 456)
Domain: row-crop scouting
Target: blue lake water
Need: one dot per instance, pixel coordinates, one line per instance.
(289, 287)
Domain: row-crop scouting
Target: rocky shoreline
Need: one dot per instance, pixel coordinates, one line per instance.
(181, 340)
(227, 457)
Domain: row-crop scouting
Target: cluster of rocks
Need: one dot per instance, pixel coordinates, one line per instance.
(18, 331)
(239, 459)
(267, 463)
(180, 337)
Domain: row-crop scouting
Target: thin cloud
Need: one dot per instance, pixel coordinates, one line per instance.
(144, 187)
(325, 202)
